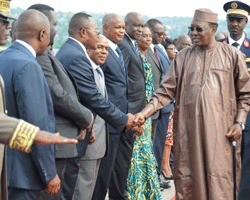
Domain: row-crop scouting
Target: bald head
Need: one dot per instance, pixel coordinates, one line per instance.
(110, 18)
(131, 16)
(219, 36)
(182, 42)
(78, 21)
(30, 23)
(33, 27)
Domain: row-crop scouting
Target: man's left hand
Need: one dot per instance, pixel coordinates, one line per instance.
(235, 132)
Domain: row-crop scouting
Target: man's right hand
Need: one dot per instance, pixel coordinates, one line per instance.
(53, 186)
(81, 135)
(139, 119)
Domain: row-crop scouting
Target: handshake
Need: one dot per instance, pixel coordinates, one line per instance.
(135, 123)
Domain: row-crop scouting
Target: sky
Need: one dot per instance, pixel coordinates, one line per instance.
(152, 8)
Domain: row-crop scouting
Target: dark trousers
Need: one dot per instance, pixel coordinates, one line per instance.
(60, 169)
(160, 138)
(244, 191)
(72, 169)
(106, 168)
(121, 167)
(22, 194)
(154, 127)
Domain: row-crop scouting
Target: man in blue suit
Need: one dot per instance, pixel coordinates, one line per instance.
(237, 19)
(28, 98)
(83, 32)
(116, 83)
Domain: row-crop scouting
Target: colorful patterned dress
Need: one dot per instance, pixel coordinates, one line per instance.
(142, 182)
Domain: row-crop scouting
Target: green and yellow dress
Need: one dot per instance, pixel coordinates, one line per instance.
(142, 182)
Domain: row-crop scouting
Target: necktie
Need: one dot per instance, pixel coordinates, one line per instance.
(235, 44)
(121, 58)
(156, 54)
(136, 47)
(101, 77)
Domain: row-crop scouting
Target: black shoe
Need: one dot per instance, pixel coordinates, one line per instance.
(167, 177)
(161, 189)
(164, 185)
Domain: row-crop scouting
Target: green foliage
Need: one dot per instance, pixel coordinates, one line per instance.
(175, 25)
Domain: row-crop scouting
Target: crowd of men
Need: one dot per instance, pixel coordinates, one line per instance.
(93, 90)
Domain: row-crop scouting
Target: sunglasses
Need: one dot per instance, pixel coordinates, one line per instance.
(198, 29)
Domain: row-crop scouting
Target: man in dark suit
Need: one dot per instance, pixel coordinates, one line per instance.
(160, 64)
(90, 162)
(83, 32)
(157, 30)
(71, 116)
(28, 98)
(116, 83)
(136, 101)
(237, 19)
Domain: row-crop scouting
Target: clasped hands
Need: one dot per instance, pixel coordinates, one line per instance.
(135, 123)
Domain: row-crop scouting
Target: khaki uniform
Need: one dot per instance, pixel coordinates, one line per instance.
(15, 133)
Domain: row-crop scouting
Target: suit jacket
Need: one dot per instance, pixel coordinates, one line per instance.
(72, 56)
(116, 83)
(11, 128)
(245, 48)
(70, 114)
(165, 64)
(98, 149)
(157, 72)
(136, 76)
(28, 97)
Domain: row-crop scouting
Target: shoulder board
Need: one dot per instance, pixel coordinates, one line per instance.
(247, 59)
(246, 43)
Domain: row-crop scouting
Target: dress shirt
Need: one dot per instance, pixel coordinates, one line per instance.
(30, 48)
(240, 41)
(133, 41)
(113, 46)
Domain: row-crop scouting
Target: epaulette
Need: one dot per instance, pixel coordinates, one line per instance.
(23, 136)
(246, 43)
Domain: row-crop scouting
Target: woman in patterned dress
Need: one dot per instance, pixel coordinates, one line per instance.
(142, 182)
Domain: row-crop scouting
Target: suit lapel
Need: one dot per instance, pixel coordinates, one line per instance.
(163, 54)
(114, 56)
(152, 55)
(97, 81)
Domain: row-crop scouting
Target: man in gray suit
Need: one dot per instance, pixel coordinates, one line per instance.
(157, 30)
(71, 116)
(90, 162)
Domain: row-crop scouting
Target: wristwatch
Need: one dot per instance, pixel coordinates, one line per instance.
(241, 124)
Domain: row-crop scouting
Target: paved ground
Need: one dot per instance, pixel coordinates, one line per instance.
(167, 194)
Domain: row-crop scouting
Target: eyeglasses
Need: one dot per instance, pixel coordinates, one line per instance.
(198, 29)
(160, 34)
(97, 32)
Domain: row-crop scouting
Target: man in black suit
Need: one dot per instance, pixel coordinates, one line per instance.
(157, 30)
(72, 118)
(83, 32)
(136, 101)
(160, 64)
(116, 83)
